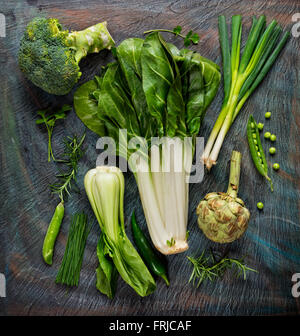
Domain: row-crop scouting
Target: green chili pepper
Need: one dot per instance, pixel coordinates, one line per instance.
(148, 254)
(256, 150)
(52, 233)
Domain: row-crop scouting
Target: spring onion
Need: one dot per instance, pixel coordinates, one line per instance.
(242, 74)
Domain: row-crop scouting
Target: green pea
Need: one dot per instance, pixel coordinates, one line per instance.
(268, 115)
(255, 141)
(272, 150)
(254, 135)
(273, 137)
(258, 154)
(256, 147)
(260, 205)
(260, 126)
(252, 125)
(267, 135)
(276, 166)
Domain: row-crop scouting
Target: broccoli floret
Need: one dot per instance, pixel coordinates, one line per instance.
(49, 56)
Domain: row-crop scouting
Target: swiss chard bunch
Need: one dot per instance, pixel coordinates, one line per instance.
(153, 89)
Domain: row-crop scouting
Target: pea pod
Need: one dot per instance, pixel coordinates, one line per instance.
(52, 232)
(150, 257)
(256, 149)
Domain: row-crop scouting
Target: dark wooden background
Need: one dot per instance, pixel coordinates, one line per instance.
(272, 242)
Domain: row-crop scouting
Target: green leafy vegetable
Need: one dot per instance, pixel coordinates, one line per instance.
(106, 272)
(69, 271)
(243, 74)
(153, 89)
(49, 118)
(105, 190)
(86, 105)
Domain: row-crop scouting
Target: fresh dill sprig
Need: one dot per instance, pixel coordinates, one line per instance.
(188, 39)
(69, 271)
(209, 268)
(72, 154)
(49, 118)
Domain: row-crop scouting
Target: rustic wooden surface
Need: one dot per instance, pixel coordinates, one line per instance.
(272, 242)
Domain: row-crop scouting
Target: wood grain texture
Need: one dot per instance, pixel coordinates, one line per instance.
(272, 242)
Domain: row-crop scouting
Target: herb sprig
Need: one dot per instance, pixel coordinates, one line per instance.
(72, 154)
(49, 118)
(209, 268)
(188, 39)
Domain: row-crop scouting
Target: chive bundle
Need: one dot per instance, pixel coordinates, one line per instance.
(69, 271)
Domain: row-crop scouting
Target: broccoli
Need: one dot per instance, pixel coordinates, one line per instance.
(49, 56)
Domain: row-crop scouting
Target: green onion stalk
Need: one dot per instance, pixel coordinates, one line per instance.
(241, 75)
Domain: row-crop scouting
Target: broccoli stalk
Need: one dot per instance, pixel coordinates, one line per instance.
(90, 40)
(49, 56)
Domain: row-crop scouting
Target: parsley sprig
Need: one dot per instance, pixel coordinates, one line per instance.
(188, 39)
(49, 118)
(209, 268)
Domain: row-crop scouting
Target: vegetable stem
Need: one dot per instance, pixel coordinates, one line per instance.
(234, 177)
(163, 30)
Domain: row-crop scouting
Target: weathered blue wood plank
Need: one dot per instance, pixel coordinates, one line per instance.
(272, 242)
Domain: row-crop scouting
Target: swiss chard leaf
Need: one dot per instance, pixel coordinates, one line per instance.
(175, 116)
(211, 78)
(158, 76)
(86, 106)
(129, 57)
(114, 102)
(194, 92)
(154, 89)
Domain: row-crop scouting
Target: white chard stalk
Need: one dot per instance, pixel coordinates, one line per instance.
(164, 195)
